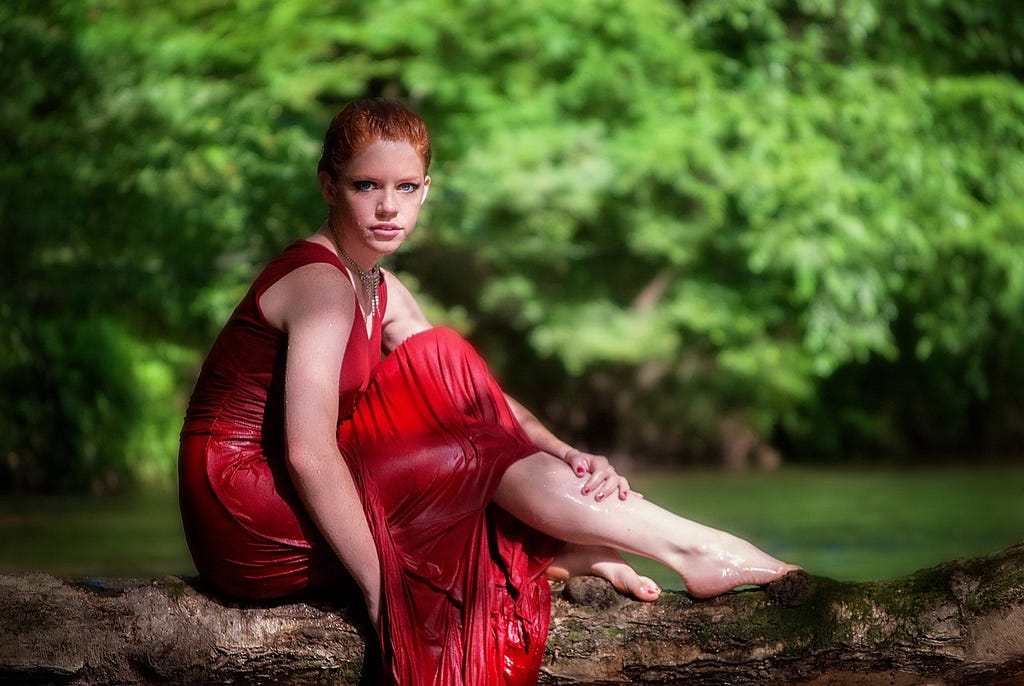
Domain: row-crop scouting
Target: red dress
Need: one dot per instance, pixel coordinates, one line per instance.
(427, 435)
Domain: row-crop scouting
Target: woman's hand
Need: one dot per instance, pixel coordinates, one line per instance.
(601, 479)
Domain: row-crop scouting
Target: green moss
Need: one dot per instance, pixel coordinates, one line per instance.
(352, 672)
(703, 631)
(571, 634)
(173, 587)
(998, 587)
(614, 632)
(826, 615)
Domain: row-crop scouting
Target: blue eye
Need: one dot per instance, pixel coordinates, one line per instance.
(362, 185)
(408, 187)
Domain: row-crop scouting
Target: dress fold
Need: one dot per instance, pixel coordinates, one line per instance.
(466, 600)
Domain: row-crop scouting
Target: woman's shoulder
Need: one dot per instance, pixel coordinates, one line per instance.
(304, 251)
(296, 256)
(403, 316)
(392, 281)
(306, 277)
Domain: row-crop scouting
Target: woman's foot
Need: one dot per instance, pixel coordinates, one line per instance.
(724, 562)
(582, 560)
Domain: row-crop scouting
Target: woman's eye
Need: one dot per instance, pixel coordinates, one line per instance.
(362, 185)
(408, 187)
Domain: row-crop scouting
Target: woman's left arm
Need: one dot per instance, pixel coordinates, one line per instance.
(403, 316)
(603, 479)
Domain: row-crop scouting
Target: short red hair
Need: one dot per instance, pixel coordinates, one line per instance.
(362, 122)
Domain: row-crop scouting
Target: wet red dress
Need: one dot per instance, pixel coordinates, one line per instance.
(427, 435)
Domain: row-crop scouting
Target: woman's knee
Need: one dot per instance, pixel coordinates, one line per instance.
(535, 478)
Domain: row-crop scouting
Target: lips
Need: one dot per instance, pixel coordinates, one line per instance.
(386, 230)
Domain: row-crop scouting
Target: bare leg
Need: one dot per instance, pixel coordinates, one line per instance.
(541, 491)
(604, 562)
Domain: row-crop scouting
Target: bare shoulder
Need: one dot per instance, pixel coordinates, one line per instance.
(396, 289)
(316, 290)
(403, 317)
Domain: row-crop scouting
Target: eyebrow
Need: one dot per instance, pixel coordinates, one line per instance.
(376, 179)
(372, 177)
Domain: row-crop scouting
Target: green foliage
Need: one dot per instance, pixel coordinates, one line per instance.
(68, 404)
(656, 218)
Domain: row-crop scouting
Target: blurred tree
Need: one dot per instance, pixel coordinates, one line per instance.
(721, 210)
(65, 394)
(674, 228)
(126, 206)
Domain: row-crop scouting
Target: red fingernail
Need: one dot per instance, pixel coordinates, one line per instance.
(586, 491)
(579, 470)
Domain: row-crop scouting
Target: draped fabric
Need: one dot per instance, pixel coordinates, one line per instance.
(427, 435)
(466, 599)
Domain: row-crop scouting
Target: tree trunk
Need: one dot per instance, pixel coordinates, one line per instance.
(956, 624)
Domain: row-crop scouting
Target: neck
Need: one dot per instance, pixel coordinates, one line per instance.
(369, 278)
(332, 232)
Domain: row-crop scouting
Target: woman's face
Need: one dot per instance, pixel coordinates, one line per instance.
(376, 198)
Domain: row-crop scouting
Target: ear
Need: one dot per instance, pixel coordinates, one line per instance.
(328, 189)
(426, 187)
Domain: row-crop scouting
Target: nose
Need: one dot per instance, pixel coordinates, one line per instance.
(387, 207)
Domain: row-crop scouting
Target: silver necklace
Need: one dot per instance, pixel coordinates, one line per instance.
(370, 279)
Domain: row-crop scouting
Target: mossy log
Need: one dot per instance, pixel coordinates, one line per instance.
(959, 623)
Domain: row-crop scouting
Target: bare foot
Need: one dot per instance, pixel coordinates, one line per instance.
(581, 560)
(626, 580)
(725, 562)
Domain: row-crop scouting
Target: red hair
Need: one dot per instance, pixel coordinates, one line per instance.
(362, 122)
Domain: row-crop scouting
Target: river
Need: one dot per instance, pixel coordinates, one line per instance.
(848, 524)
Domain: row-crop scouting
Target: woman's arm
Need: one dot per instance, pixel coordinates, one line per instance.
(314, 305)
(403, 316)
(601, 478)
(538, 433)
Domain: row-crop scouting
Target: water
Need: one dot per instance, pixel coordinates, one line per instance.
(135, 535)
(853, 524)
(848, 524)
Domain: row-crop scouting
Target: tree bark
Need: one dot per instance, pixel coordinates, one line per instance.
(957, 624)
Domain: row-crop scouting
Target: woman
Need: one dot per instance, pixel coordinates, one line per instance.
(307, 460)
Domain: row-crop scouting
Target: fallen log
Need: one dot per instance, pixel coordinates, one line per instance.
(957, 624)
